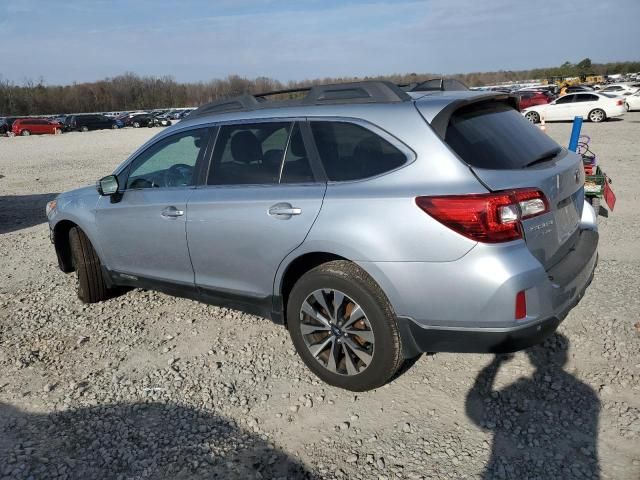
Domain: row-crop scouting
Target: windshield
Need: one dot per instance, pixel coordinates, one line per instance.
(495, 136)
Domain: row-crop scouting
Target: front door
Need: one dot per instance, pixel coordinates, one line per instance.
(260, 201)
(561, 109)
(144, 229)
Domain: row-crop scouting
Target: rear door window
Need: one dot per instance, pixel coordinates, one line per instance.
(296, 167)
(586, 97)
(352, 152)
(495, 136)
(249, 154)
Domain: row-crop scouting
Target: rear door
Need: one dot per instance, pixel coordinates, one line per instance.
(505, 151)
(260, 201)
(583, 104)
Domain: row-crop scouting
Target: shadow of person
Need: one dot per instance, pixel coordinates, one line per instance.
(135, 441)
(545, 426)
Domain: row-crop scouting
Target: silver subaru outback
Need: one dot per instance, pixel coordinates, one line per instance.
(374, 223)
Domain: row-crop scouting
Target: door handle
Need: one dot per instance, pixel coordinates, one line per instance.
(172, 212)
(284, 210)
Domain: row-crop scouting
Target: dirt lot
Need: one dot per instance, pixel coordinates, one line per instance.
(149, 386)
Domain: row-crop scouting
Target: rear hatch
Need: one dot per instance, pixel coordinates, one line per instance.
(505, 151)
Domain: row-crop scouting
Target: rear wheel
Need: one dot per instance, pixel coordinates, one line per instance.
(597, 115)
(114, 126)
(25, 133)
(57, 131)
(91, 285)
(84, 128)
(533, 117)
(136, 125)
(343, 327)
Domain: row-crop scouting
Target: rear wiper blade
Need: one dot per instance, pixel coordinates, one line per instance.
(545, 157)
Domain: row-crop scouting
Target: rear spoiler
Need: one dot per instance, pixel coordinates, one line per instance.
(441, 121)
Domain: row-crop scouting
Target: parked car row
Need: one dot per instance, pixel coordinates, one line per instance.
(82, 123)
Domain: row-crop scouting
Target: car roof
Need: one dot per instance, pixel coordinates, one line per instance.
(431, 103)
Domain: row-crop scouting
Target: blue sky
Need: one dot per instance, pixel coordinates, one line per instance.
(192, 40)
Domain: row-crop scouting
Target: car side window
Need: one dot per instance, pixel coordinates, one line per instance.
(296, 167)
(587, 98)
(565, 99)
(351, 152)
(249, 154)
(169, 163)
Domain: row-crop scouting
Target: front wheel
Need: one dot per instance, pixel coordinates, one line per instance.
(84, 128)
(597, 115)
(533, 117)
(91, 285)
(136, 125)
(343, 327)
(114, 126)
(25, 133)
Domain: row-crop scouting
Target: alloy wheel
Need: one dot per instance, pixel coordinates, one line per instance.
(596, 116)
(337, 332)
(532, 117)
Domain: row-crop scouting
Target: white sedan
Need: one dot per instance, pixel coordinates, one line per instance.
(633, 102)
(588, 105)
(622, 89)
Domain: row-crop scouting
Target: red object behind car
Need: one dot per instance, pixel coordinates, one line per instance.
(529, 99)
(34, 126)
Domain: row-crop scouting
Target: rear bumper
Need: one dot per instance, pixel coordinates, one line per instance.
(418, 338)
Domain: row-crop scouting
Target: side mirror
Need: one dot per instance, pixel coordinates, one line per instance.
(107, 185)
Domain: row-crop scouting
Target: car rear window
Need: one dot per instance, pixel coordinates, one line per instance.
(495, 136)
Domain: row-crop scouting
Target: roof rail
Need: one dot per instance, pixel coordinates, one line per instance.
(338, 93)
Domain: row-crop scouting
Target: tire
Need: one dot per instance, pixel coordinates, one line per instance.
(57, 131)
(597, 115)
(25, 133)
(91, 285)
(136, 125)
(533, 117)
(84, 128)
(595, 203)
(114, 126)
(383, 352)
(627, 107)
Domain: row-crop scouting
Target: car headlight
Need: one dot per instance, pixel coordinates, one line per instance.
(51, 206)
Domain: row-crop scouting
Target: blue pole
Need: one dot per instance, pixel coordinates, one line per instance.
(575, 133)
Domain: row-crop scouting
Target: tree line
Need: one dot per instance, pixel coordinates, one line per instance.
(134, 92)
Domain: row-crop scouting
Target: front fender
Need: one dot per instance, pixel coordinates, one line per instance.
(81, 211)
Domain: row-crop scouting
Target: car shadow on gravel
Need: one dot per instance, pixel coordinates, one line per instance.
(23, 211)
(545, 426)
(135, 441)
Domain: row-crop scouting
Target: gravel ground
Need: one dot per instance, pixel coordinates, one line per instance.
(149, 386)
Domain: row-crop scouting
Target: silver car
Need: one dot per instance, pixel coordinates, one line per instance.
(374, 223)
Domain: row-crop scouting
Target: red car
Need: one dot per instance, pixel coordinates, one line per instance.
(529, 99)
(34, 126)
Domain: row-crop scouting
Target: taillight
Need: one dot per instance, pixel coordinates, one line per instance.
(489, 218)
(619, 103)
